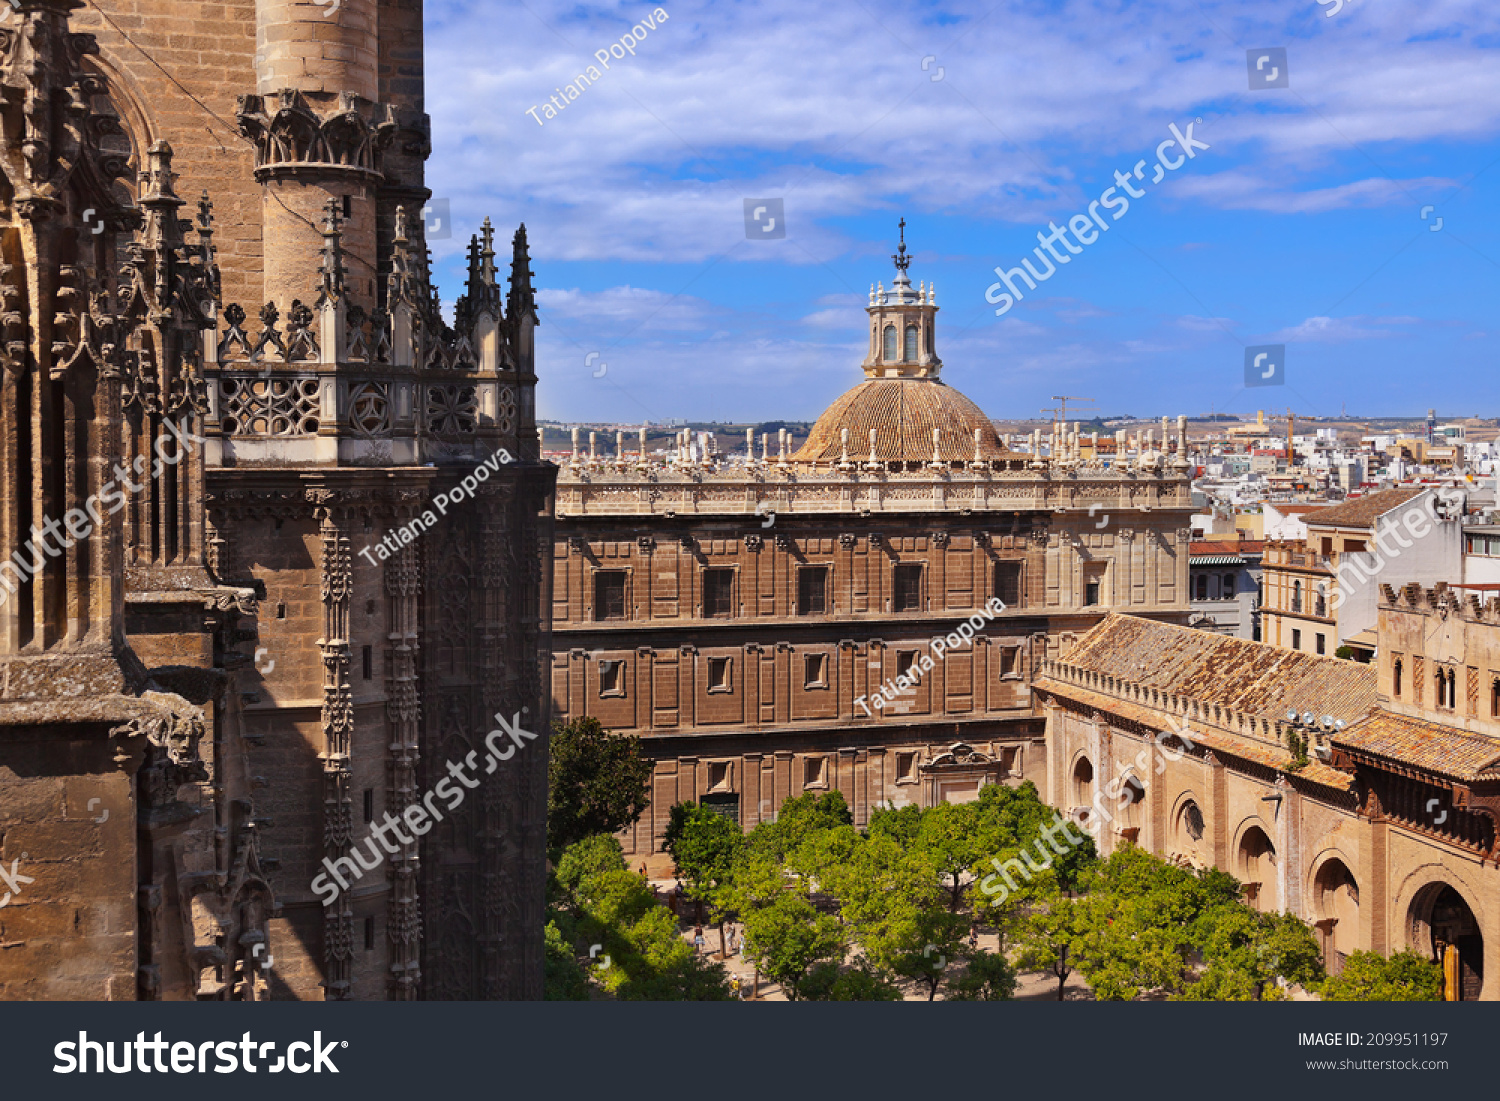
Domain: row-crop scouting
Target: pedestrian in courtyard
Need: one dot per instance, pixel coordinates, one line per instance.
(698, 937)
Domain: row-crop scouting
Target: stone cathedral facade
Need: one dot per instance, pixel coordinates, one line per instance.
(283, 599)
(740, 617)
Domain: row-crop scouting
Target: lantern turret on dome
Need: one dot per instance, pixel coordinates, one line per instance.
(902, 415)
(902, 326)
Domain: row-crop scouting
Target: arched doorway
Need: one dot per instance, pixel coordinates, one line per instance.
(1336, 900)
(1445, 929)
(1083, 783)
(1257, 868)
(1132, 807)
(1188, 830)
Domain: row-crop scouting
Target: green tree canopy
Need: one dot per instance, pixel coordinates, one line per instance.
(828, 982)
(597, 782)
(704, 845)
(986, 977)
(1051, 936)
(788, 937)
(1245, 953)
(1371, 977)
(606, 920)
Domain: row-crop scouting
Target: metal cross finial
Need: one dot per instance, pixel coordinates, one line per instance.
(903, 261)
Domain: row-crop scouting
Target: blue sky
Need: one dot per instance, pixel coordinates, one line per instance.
(1301, 224)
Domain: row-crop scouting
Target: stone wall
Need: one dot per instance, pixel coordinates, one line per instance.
(67, 821)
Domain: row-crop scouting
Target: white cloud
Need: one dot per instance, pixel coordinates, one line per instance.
(1337, 330)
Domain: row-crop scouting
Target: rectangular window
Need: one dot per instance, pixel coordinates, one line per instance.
(812, 771)
(718, 593)
(720, 670)
(369, 662)
(718, 776)
(1094, 574)
(1296, 639)
(1010, 661)
(812, 590)
(611, 678)
(369, 804)
(369, 934)
(905, 659)
(906, 768)
(1354, 546)
(1320, 644)
(1008, 583)
(908, 588)
(814, 670)
(609, 594)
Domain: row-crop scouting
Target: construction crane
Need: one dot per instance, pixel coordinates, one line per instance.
(1060, 413)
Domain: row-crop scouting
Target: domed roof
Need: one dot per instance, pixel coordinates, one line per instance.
(903, 412)
(902, 400)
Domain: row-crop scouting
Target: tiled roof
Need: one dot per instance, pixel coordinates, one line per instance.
(1362, 511)
(1236, 745)
(1253, 677)
(1424, 744)
(903, 413)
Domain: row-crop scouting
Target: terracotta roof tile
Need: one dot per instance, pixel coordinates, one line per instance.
(1424, 744)
(1362, 511)
(903, 413)
(1252, 677)
(1221, 741)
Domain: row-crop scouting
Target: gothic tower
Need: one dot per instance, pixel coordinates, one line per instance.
(288, 632)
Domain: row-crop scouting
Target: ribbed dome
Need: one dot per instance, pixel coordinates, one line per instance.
(903, 413)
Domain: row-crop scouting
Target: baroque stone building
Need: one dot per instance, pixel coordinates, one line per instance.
(1382, 834)
(313, 595)
(741, 616)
